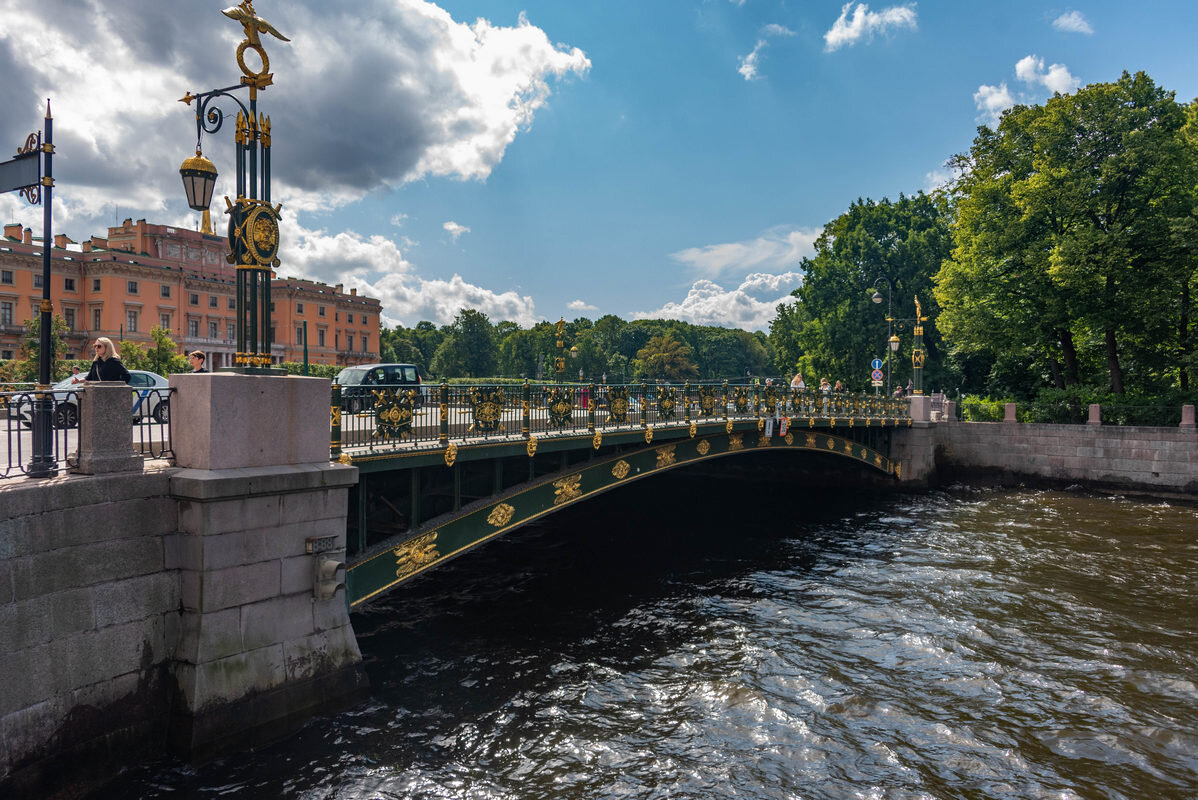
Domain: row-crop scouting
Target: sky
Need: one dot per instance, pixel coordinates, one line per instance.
(535, 159)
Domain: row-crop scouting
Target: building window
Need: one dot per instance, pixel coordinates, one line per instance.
(272, 306)
(131, 287)
(365, 345)
(6, 355)
(336, 316)
(299, 335)
(193, 299)
(231, 332)
(232, 304)
(299, 308)
(272, 334)
(164, 321)
(211, 330)
(131, 322)
(193, 328)
(166, 290)
(68, 314)
(95, 319)
(336, 341)
(212, 301)
(320, 311)
(5, 313)
(37, 280)
(6, 276)
(95, 284)
(320, 338)
(68, 284)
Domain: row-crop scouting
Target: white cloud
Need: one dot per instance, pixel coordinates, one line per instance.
(750, 306)
(992, 101)
(748, 64)
(777, 248)
(446, 97)
(375, 266)
(579, 305)
(774, 29)
(1072, 22)
(455, 230)
(864, 24)
(1030, 69)
(399, 220)
(936, 179)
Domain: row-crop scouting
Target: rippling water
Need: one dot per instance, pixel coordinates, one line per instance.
(962, 644)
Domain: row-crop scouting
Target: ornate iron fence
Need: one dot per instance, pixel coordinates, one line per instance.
(395, 416)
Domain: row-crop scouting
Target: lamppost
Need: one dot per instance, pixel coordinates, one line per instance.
(559, 364)
(253, 221)
(892, 341)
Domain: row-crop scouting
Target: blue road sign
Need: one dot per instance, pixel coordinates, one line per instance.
(875, 364)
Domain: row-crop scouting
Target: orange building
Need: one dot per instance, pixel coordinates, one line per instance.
(145, 275)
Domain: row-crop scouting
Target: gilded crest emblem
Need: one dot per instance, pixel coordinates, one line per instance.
(693, 429)
(393, 413)
(728, 426)
(597, 440)
(617, 405)
(567, 489)
(620, 470)
(665, 456)
(831, 443)
(667, 402)
(707, 401)
(531, 446)
(487, 407)
(561, 406)
(704, 447)
(736, 442)
(451, 454)
(740, 399)
(789, 438)
(415, 554)
(648, 435)
(500, 515)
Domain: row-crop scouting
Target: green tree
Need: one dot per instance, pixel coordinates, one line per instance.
(29, 367)
(664, 357)
(162, 356)
(1074, 238)
(469, 349)
(834, 328)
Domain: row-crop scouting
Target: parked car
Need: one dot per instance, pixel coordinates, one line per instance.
(151, 399)
(358, 382)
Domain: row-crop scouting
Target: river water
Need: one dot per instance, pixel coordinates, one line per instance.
(686, 639)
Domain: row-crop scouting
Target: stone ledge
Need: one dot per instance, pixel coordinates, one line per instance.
(224, 484)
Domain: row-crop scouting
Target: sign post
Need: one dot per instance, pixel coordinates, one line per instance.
(25, 174)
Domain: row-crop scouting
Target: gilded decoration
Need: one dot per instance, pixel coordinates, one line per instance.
(831, 444)
(451, 454)
(789, 439)
(771, 397)
(393, 412)
(531, 446)
(487, 408)
(707, 401)
(500, 515)
(740, 399)
(832, 422)
(345, 458)
(665, 456)
(704, 447)
(763, 441)
(811, 422)
(728, 426)
(561, 405)
(667, 402)
(810, 440)
(415, 553)
(736, 442)
(597, 440)
(617, 405)
(567, 489)
(877, 461)
(335, 416)
(760, 424)
(648, 435)
(693, 429)
(620, 470)
(848, 448)
(898, 470)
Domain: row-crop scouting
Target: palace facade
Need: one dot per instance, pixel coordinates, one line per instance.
(141, 276)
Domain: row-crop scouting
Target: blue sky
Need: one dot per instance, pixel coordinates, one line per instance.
(543, 158)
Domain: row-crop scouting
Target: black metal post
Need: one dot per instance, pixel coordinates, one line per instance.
(43, 465)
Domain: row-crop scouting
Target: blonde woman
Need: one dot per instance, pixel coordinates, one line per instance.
(107, 365)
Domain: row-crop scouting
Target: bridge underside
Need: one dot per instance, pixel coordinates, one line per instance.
(416, 512)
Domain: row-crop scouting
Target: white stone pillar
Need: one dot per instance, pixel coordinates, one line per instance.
(1095, 417)
(1187, 417)
(106, 429)
(1009, 415)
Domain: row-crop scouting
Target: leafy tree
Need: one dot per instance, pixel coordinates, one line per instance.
(468, 349)
(29, 367)
(163, 355)
(665, 357)
(1074, 238)
(834, 329)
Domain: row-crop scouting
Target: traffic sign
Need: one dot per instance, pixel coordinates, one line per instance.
(876, 375)
(875, 364)
(876, 383)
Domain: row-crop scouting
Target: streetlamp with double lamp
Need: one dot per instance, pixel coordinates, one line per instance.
(892, 341)
(253, 221)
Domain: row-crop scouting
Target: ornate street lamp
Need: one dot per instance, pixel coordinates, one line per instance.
(892, 341)
(253, 221)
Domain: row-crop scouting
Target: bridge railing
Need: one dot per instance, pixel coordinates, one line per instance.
(436, 415)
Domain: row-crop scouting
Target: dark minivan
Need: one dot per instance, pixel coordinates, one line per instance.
(358, 382)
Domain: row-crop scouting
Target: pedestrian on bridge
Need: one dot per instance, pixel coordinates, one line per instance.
(796, 382)
(107, 365)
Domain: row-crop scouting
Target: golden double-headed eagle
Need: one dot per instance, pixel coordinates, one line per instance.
(251, 22)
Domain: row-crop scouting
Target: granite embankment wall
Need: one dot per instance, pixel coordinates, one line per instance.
(1153, 460)
(89, 614)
